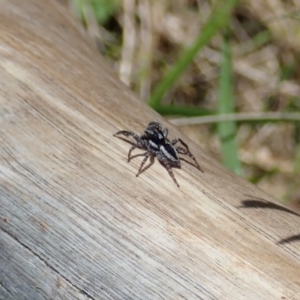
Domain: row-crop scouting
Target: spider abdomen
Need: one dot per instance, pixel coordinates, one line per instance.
(170, 153)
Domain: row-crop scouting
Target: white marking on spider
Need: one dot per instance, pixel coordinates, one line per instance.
(167, 154)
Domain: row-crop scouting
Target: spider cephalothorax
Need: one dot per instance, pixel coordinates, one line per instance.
(156, 143)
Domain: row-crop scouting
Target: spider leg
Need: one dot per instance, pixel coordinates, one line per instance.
(139, 142)
(141, 170)
(129, 133)
(137, 155)
(168, 167)
(176, 140)
(129, 153)
(185, 151)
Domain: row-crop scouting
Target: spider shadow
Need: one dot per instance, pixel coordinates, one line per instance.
(264, 204)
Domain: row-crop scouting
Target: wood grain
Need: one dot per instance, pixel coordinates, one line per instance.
(75, 221)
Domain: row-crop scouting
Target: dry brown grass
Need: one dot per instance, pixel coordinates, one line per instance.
(266, 44)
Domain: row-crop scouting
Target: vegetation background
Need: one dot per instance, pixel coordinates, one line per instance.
(196, 60)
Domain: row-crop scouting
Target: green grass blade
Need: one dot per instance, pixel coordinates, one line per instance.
(217, 20)
(104, 9)
(173, 110)
(227, 130)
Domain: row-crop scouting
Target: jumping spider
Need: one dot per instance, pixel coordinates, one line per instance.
(156, 143)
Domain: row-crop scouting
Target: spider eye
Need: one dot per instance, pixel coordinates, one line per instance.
(154, 126)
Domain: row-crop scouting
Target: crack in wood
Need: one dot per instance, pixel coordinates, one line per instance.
(48, 265)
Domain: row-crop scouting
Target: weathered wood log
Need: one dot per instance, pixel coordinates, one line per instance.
(75, 221)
